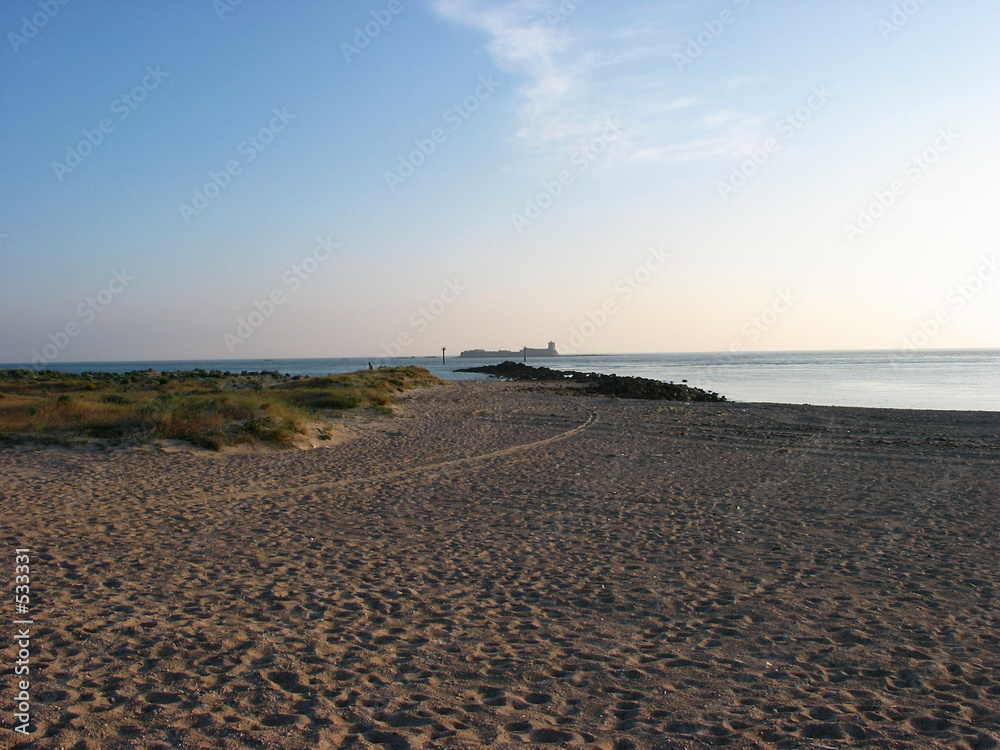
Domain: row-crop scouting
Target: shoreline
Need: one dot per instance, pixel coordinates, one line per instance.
(930, 379)
(511, 564)
(320, 431)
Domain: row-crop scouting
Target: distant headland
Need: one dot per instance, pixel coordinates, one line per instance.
(525, 352)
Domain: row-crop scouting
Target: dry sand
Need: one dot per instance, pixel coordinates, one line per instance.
(503, 565)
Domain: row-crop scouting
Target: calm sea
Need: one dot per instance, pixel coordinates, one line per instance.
(934, 379)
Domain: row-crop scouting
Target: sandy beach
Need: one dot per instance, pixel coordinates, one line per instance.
(511, 565)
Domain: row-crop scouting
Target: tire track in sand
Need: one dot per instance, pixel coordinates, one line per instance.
(452, 462)
(236, 501)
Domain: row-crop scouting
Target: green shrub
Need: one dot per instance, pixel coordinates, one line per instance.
(210, 409)
(257, 426)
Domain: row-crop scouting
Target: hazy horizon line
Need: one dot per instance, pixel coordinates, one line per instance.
(28, 365)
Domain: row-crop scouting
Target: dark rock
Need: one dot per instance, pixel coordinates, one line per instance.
(609, 385)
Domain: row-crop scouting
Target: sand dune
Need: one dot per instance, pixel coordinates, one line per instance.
(506, 565)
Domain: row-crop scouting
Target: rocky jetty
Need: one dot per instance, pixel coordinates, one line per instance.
(609, 385)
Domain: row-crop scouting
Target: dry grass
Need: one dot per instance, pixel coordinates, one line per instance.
(209, 409)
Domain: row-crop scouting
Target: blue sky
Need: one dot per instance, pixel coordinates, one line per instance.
(213, 180)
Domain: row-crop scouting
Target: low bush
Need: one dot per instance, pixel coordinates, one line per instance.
(210, 409)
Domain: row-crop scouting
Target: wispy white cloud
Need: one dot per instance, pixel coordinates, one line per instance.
(586, 68)
(718, 119)
(683, 102)
(688, 150)
(524, 42)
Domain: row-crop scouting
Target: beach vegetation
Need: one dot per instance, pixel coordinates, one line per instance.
(211, 409)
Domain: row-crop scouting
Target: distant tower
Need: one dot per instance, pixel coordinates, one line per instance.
(552, 348)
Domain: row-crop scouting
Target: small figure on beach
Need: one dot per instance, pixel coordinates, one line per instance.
(370, 366)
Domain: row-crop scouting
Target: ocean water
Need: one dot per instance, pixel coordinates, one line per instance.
(962, 380)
